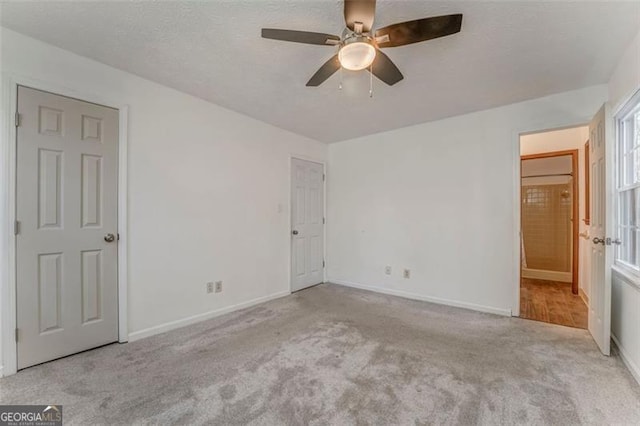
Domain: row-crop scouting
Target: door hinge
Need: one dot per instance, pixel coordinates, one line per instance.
(16, 227)
(323, 264)
(17, 119)
(16, 335)
(324, 221)
(324, 177)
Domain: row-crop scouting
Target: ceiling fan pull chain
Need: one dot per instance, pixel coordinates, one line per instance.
(371, 80)
(340, 86)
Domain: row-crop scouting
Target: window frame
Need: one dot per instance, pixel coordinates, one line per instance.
(623, 136)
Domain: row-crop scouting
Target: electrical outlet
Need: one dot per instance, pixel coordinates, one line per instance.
(218, 286)
(407, 273)
(210, 287)
(387, 270)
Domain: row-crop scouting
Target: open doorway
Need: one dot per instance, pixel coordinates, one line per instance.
(554, 227)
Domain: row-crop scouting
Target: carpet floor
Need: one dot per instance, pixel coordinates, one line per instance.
(335, 355)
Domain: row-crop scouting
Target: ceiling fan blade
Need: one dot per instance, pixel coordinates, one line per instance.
(300, 36)
(418, 30)
(383, 68)
(362, 11)
(325, 71)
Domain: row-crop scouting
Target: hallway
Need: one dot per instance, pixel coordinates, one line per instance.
(552, 302)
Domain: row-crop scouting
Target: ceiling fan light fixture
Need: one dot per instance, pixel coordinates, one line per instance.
(359, 46)
(357, 54)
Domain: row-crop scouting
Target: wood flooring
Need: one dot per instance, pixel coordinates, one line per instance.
(553, 302)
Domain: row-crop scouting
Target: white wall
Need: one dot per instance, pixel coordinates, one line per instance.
(205, 184)
(625, 318)
(561, 140)
(625, 80)
(546, 171)
(208, 189)
(625, 300)
(441, 199)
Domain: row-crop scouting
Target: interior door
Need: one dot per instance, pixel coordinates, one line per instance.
(307, 222)
(600, 159)
(66, 242)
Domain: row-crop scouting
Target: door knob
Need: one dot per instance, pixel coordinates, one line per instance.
(109, 238)
(597, 240)
(294, 232)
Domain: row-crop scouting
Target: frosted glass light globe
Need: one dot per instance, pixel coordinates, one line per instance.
(356, 56)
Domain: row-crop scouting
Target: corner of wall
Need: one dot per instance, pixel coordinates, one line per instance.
(626, 358)
(625, 80)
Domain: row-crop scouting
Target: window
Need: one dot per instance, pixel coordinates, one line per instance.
(628, 185)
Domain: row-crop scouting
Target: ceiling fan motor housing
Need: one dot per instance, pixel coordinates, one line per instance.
(357, 38)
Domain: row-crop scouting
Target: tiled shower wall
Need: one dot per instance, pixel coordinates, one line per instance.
(546, 226)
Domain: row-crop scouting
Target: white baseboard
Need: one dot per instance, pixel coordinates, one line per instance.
(407, 295)
(583, 296)
(539, 274)
(626, 359)
(151, 331)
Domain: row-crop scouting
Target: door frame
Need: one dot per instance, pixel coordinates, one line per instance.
(516, 179)
(575, 207)
(290, 216)
(8, 168)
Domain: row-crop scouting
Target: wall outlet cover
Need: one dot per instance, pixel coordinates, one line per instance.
(407, 273)
(210, 287)
(218, 286)
(387, 270)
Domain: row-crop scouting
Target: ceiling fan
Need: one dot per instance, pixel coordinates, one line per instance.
(359, 46)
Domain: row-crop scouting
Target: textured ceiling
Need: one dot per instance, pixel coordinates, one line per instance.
(508, 51)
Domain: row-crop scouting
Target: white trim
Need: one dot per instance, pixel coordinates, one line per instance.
(7, 237)
(10, 83)
(324, 213)
(583, 296)
(630, 186)
(123, 225)
(623, 113)
(516, 134)
(628, 107)
(629, 275)
(414, 296)
(539, 274)
(626, 359)
(517, 227)
(624, 101)
(172, 325)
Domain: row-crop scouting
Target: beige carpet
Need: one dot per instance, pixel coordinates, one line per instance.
(334, 355)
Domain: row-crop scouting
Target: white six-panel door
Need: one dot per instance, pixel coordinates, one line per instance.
(307, 222)
(66, 207)
(601, 228)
